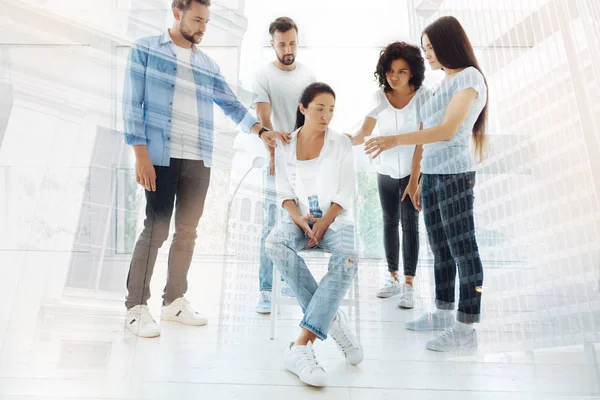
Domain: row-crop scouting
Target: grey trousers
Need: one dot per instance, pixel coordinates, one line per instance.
(182, 186)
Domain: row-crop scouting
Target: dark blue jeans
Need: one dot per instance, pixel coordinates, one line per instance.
(448, 211)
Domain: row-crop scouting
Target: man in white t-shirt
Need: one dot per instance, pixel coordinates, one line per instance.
(278, 86)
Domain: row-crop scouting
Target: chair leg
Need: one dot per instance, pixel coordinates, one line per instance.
(274, 300)
(356, 295)
(351, 300)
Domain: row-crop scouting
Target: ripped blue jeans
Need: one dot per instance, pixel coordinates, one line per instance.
(319, 301)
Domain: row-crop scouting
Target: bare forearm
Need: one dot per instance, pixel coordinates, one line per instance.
(416, 163)
(366, 128)
(363, 132)
(438, 133)
(140, 151)
(333, 212)
(266, 122)
(290, 207)
(263, 114)
(255, 128)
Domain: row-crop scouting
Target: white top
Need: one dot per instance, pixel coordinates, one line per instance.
(185, 133)
(282, 89)
(335, 177)
(453, 156)
(397, 162)
(308, 170)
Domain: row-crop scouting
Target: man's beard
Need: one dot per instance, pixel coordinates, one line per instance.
(187, 35)
(288, 59)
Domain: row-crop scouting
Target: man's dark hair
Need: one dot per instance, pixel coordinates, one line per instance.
(409, 53)
(282, 24)
(184, 5)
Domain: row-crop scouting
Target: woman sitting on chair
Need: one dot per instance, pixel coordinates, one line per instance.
(315, 185)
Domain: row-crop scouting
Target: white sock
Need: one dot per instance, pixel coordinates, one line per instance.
(442, 313)
(462, 327)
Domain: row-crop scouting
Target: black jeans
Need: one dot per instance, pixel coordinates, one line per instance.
(448, 211)
(395, 213)
(182, 185)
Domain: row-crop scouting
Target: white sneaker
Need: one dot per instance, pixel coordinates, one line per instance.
(391, 287)
(345, 339)
(452, 339)
(264, 303)
(139, 321)
(301, 360)
(407, 298)
(431, 322)
(181, 311)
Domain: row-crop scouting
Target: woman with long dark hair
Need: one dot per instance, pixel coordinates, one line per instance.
(315, 186)
(400, 73)
(453, 116)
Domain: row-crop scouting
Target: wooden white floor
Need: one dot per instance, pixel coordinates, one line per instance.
(82, 352)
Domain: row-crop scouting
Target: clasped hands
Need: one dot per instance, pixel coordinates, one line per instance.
(319, 227)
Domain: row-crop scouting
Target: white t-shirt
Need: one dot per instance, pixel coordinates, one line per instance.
(282, 89)
(185, 133)
(308, 171)
(452, 156)
(397, 162)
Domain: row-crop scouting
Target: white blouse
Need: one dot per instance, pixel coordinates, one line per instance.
(397, 162)
(334, 181)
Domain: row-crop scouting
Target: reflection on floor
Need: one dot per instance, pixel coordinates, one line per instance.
(75, 347)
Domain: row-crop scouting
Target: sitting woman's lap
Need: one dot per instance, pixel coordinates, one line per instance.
(293, 237)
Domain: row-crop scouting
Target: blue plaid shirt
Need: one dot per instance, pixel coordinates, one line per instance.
(148, 98)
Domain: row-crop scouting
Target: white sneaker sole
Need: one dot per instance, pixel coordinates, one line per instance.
(263, 311)
(387, 295)
(406, 305)
(450, 324)
(172, 318)
(314, 384)
(469, 346)
(139, 334)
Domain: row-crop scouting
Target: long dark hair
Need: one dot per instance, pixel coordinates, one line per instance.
(407, 52)
(454, 50)
(308, 95)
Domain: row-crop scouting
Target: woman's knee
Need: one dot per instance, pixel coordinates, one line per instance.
(275, 248)
(349, 261)
(391, 218)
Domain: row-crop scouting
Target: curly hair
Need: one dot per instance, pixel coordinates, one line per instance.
(409, 53)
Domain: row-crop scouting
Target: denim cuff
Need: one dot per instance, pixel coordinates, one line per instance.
(444, 305)
(467, 318)
(247, 122)
(135, 140)
(314, 330)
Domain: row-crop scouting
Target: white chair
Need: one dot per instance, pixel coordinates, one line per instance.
(277, 299)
